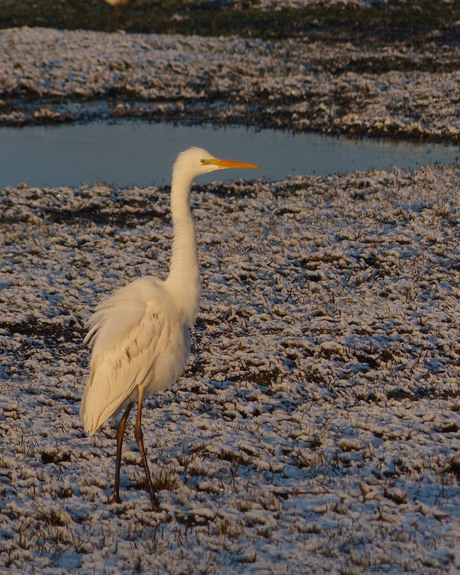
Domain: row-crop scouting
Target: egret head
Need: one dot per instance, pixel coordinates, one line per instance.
(196, 161)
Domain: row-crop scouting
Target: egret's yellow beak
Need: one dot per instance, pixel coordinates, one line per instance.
(223, 164)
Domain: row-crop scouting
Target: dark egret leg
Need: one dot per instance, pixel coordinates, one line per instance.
(120, 433)
(140, 443)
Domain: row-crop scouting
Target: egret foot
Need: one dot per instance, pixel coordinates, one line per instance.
(155, 503)
(114, 499)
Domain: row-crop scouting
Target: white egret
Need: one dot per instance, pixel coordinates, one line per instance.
(140, 334)
(117, 4)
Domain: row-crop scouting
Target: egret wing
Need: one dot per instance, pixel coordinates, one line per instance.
(128, 332)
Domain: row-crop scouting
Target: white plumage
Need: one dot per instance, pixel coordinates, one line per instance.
(140, 334)
(140, 342)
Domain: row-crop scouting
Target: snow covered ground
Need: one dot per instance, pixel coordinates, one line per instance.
(316, 428)
(398, 90)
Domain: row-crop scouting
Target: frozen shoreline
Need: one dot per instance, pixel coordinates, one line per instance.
(53, 76)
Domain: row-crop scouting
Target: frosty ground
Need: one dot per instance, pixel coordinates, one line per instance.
(316, 429)
(296, 84)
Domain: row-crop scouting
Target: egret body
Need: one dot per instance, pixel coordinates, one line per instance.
(140, 334)
(116, 2)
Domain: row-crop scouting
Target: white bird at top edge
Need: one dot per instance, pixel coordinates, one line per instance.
(140, 334)
(117, 4)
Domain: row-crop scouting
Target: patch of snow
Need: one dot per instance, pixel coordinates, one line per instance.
(298, 84)
(316, 428)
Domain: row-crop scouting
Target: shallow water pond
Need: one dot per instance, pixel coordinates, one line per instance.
(129, 153)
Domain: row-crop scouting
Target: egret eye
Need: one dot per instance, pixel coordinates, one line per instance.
(202, 162)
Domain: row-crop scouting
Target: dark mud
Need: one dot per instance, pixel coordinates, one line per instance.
(384, 22)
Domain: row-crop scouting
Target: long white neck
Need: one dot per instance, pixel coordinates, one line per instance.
(184, 274)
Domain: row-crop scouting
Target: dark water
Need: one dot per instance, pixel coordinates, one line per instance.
(131, 153)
